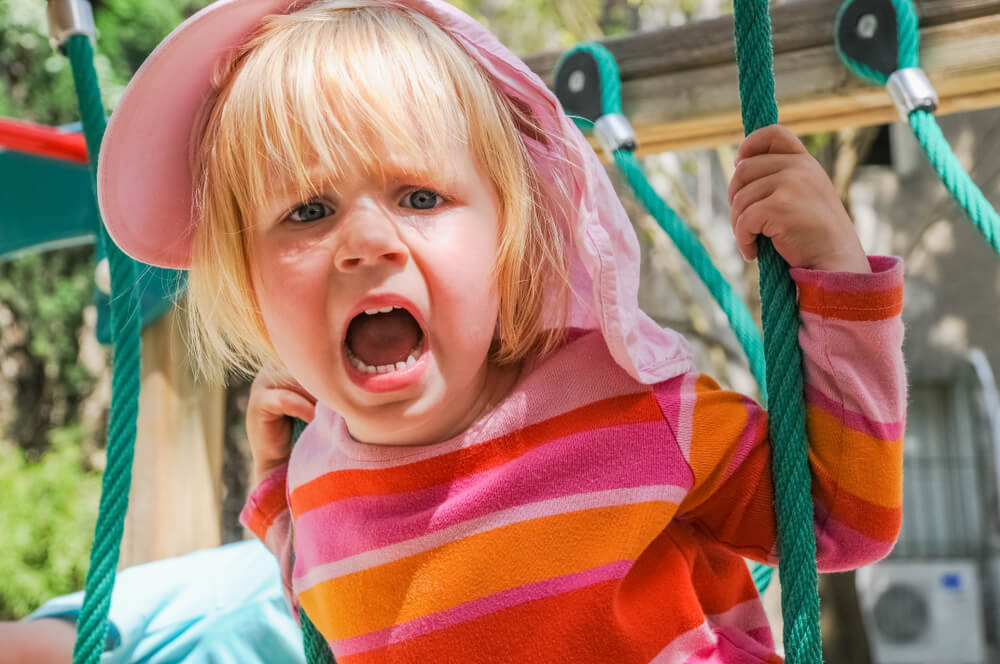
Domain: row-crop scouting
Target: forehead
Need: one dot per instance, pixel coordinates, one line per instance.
(307, 100)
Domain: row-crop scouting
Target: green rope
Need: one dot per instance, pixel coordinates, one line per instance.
(955, 179)
(317, 649)
(693, 251)
(790, 447)
(926, 129)
(92, 625)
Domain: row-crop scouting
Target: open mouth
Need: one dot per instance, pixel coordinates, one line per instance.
(384, 340)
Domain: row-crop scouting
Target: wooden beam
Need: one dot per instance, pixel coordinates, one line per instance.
(679, 85)
(175, 500)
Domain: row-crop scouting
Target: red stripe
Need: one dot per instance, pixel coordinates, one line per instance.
(852, 306)
(875, 521)
(42, 141)
(339, 485)
(268, 507)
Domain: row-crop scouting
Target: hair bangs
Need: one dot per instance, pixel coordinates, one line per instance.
(323, 93)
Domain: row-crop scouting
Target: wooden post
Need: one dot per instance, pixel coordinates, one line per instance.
(679, 85)
(175, 501)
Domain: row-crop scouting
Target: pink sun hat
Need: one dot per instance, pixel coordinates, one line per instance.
(145, 184)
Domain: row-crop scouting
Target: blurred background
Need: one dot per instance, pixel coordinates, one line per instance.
(935, 599)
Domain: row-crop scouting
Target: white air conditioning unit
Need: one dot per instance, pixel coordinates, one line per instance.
(923, 612)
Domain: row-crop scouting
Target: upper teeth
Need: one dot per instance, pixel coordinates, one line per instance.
(380, 310)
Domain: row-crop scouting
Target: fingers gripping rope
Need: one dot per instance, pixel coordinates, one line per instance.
(790, 450)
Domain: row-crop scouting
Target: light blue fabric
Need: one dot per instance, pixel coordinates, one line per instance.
(216, 606)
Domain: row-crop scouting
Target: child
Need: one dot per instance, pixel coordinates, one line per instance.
(507, 461)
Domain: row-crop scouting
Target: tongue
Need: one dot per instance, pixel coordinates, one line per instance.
(383, 338)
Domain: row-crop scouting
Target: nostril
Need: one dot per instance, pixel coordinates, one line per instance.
(350, 263)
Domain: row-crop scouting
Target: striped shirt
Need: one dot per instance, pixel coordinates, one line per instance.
(589, 517)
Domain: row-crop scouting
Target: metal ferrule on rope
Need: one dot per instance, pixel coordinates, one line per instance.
(911, 90)
(68, 18)
(614, 132)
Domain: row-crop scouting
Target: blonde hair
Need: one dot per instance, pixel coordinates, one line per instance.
(332, 86)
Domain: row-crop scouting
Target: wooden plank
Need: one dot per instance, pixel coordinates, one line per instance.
(175, 501)
(698, 106)
(795, 25)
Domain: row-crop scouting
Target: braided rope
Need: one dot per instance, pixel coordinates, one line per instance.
(790, 448)
(92, 625)
(317, 649)
(961, 187)
(693, 251)
(926, 129)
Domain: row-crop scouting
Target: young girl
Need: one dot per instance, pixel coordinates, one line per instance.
(507, 461)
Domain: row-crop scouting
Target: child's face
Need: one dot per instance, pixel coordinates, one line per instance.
(428, 246)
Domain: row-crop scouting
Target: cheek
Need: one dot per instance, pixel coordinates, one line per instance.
(291, 294)
(467, 278)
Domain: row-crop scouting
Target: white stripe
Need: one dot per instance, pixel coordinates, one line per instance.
(745, 616)
(492, 521)
(686, 644)
(685, 413)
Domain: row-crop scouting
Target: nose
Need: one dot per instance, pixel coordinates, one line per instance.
(369, 238)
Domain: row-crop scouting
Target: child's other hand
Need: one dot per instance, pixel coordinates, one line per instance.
(780, 191)
(272, 403)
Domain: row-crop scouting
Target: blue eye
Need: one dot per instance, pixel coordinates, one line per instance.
(422, 199)
(311, 211)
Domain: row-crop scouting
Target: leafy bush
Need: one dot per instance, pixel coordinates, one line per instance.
(47, 521)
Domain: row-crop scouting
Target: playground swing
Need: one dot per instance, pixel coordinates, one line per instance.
(783, 381)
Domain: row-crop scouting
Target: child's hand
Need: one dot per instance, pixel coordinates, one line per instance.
(269, 427)
(780, 191)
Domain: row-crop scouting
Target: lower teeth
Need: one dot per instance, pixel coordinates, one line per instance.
(412, 358)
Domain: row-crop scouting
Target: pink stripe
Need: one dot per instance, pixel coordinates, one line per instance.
(721, 645)
(745, 616)
(840, 548)
(887, 272)
(733, 647)
(629, 456)
(480, 607)
(857, 363)
(888, 431)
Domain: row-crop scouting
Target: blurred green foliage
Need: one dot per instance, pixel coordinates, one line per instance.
(48, 519)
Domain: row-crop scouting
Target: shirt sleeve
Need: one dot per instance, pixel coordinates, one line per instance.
(266, 515)
(855, 390)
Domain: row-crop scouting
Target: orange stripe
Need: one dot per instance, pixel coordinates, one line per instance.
(717, 426)
(868, 467)
(331, 487)
(740, 513)
(267, 510)
(537, 632)
(854, 306)
(425, 583)
(874, 521)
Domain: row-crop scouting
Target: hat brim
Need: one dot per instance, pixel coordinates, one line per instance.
(144, 181)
